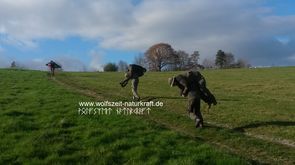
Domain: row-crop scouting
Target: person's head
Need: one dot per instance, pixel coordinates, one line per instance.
(171, 81)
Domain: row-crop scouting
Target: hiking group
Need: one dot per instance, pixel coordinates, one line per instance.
(192, 85)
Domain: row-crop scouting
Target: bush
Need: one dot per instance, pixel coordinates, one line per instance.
(110, 67)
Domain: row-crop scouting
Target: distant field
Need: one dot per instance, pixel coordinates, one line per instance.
(254, 121)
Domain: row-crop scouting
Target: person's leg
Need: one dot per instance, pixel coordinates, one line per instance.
(134, 86)
(53, 71)
(197, 111)
(191, 105)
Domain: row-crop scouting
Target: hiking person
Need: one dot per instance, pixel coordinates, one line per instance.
(52, 66)
(134, 72)
(192, 85)
(13, 64)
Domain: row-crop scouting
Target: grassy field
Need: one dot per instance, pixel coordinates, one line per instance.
(254, 121)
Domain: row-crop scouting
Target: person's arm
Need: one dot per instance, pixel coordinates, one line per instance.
(183, 82)
(181, 88)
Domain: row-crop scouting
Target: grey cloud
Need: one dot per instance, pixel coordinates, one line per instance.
(4, 61)
(69, 63)
(35, 19)
(246, 28)
(96, 63)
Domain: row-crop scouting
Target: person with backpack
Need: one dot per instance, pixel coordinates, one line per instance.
(193, 86)
(133, 73)
(52, 66)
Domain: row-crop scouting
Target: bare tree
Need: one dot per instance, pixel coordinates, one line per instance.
(140, 60)
(229, 60)
(194, 59)
(122, 66)
(182, 60)
(208, 63)
(241, 63)
(159, 56)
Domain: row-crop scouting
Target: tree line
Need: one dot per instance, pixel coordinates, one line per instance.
(162, 57)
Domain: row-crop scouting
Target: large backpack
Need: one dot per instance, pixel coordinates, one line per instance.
(136, 70)
(52, 64)
(205, 93)
(55, 65)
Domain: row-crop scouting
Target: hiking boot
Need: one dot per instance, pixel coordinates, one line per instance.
(199, 123)
(135, 98)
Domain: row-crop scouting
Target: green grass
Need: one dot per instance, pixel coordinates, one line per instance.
(250, 100)
(40, 124)
(254, 117)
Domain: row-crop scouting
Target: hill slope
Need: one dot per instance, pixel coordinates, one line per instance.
(254, 117)
(40, 123)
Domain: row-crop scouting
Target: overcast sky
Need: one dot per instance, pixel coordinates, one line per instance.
(86, 34)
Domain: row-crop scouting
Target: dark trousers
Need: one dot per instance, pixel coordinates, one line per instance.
(134, 86)
(194, 105)
(52, 71)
